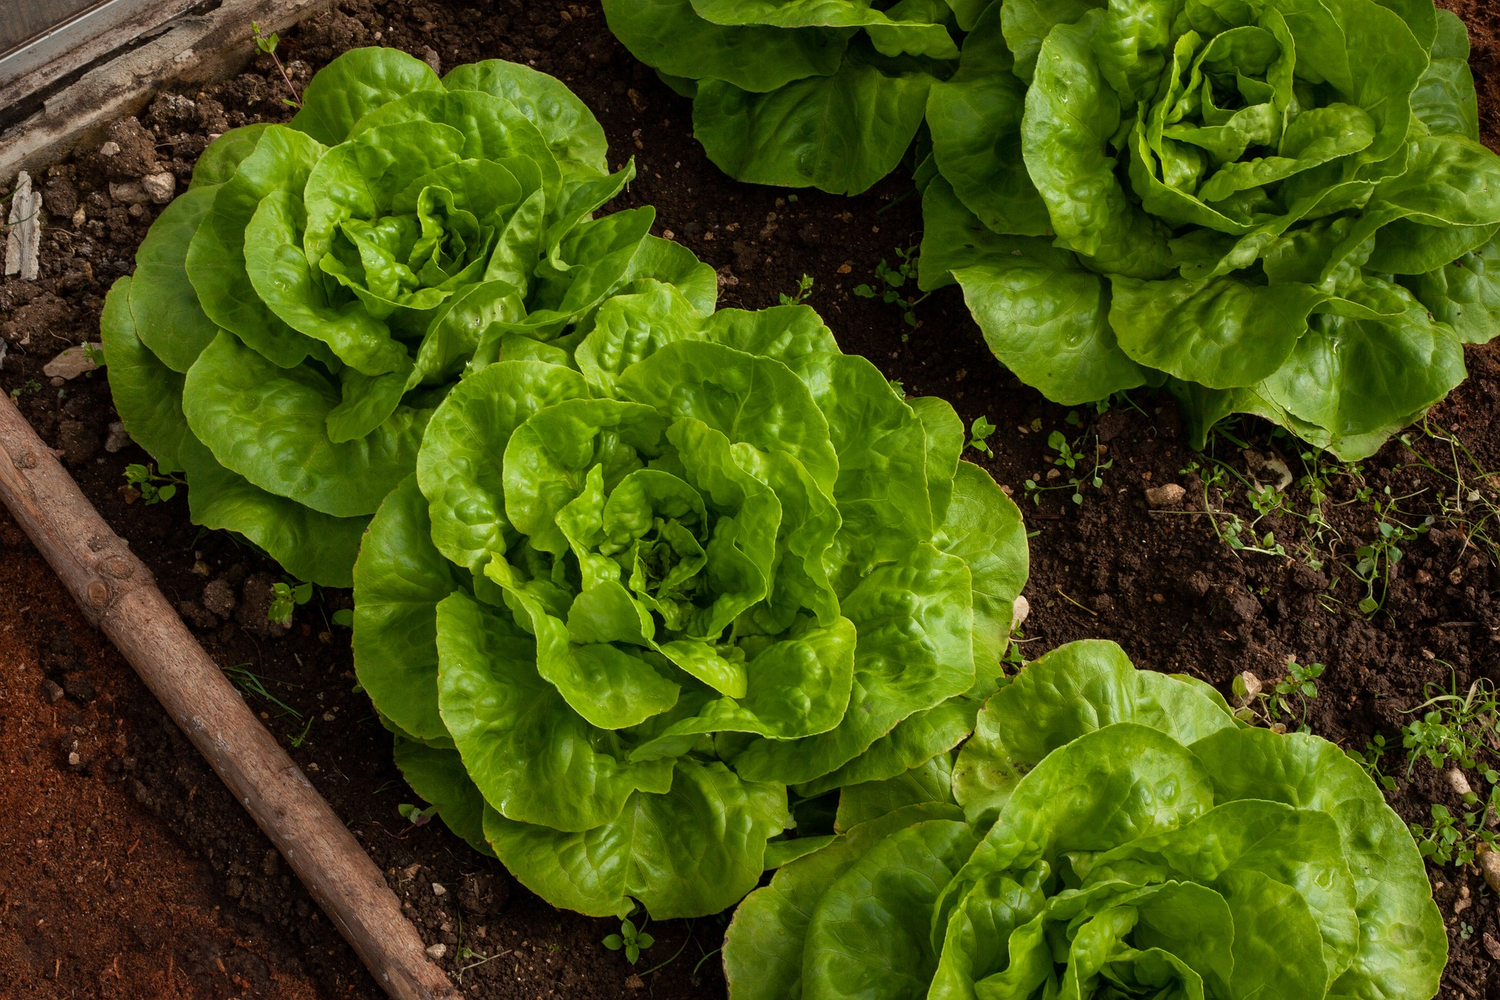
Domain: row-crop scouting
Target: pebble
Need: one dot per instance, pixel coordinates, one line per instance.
(74, 361)
(438, 890)
(1166, 495)
(128, 192)
(1020, 610)
(1489, 863)
(436, 951)
(52, 691)
(160, 186)
(118, 438)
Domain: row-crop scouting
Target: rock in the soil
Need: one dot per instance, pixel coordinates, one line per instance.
(74, 361)
(159, 186)
(23, 236)
(436, 951)
(131, 192)
(1020, 610)
(1489, 864)
(431, 58)
(52, 691)
(134, 151)
(118, 438)
(1166, 495)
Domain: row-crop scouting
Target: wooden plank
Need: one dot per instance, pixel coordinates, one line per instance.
(100, 28)
(23, 22)
(194, 47)
(118, 595)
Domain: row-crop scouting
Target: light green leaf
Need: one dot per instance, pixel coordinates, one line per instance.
(438, 776)
(269, 424)
(840, 133)
(309, 545)
(163, 303)
(147, 394)
(355, 84)
(671, 37)
(534, 759)
(573, 134)
(692, 851)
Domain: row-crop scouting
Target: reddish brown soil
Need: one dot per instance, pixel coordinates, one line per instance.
(1161, 582)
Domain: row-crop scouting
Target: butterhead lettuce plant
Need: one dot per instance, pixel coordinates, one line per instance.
(1277, 207)
(812, 93)
(622, 606)
(298, 313)
(1115, 833)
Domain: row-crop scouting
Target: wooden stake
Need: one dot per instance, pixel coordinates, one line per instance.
(118, 594)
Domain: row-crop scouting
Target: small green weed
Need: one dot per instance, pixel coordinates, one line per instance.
(416, 815)
(804, 289)
(153, 486)
(28, 388)
(632, 940)
(1456, 733)
(1287, 700)
(1376, 561)
(285, 597)
(267, 44)
(892, 287)
(979, 434)
(251, 683)
(1074, 457)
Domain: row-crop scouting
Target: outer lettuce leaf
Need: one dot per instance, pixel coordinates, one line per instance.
(1237, 184)
(649, 592)
(323, 286)
(1146, 841)
(718, 820)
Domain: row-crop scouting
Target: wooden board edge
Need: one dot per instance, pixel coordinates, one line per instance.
(196, 48)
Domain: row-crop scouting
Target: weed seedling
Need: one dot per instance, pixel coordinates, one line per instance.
(1072, 456)
(28, 388)
(416, 815)
(285, 596)
(632, 940)
(979, 434)
(153, 486)
(804, 289)
(1457, 732)
(1376, 561)
(1288, 697)
(1299, 684)
(251, 683)
(893, 282)
(267, 44)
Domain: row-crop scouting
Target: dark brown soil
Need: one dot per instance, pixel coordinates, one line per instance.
(203, 882)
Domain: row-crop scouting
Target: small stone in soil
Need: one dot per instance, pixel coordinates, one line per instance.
(1166, 495)
(118, 439)
(437, 951)
(52, 691)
